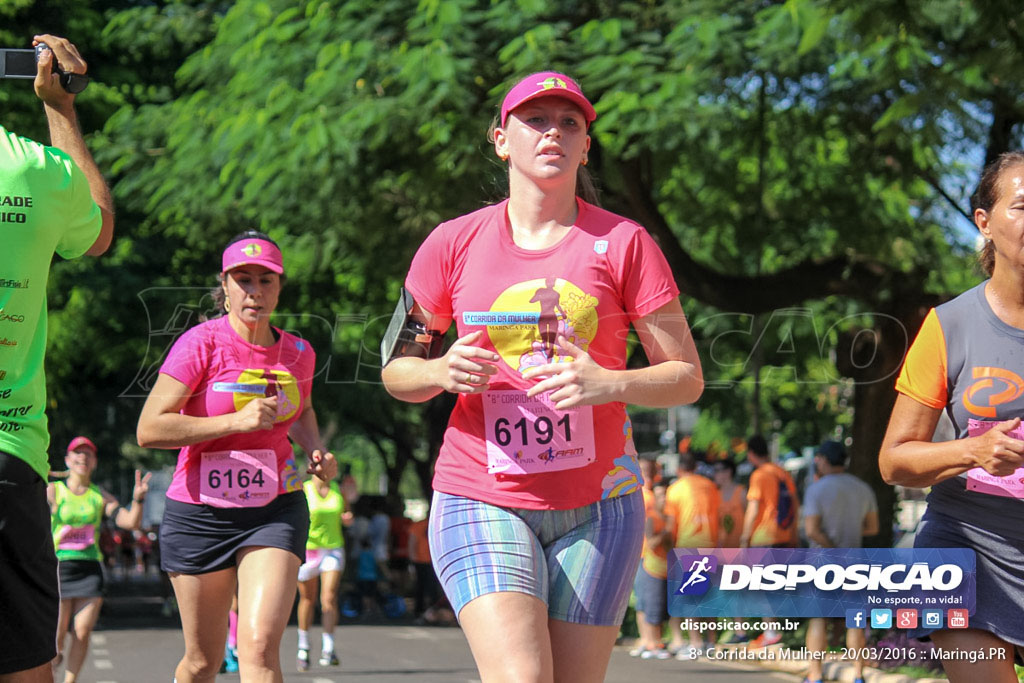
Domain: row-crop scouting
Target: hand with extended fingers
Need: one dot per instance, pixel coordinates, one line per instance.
(580, 383)
(467, 368)
(141, 486)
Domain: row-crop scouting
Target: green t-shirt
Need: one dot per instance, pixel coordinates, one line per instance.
(324, 517)
(45, 208)
(76, 522)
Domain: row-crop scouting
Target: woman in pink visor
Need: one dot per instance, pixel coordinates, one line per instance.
(230, 395)
(537, 520)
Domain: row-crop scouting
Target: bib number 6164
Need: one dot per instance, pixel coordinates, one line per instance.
(227, 477)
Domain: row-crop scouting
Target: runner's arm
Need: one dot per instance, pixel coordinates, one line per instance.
(464, 368)
(306, 432)
(161, 425)
(909, 457)
(65, 134)
(674, 376)
(749, 519)
(129, 519)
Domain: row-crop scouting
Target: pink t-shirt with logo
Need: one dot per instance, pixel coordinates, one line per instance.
(501, 447)
(225, 373)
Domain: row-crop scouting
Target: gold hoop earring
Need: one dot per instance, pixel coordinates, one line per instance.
(227, 304)
(585, 160)
(503, 157)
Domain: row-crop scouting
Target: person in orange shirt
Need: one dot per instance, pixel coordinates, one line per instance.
(691, 510)
(772, 510)
(734, 503)
(651, 581)
(772, 507)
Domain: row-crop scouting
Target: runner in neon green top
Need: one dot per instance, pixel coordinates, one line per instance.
(325, 555)
(78, 507)
(76, 522)
(325, 515)
(52, 200)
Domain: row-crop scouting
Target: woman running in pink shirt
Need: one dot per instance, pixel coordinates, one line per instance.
(537, 521)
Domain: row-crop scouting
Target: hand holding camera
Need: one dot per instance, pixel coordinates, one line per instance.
(55, 65)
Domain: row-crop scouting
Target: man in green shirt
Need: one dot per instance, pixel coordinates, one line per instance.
(52, 200)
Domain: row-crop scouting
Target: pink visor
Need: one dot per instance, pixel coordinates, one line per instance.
(79, 441)
(252, 252)
(544, 84)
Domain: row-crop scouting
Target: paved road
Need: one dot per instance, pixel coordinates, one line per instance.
(133, 643)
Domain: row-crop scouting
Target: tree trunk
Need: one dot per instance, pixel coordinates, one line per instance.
(872, 358)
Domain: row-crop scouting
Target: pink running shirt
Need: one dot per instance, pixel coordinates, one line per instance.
(606, 273)
(224, 373)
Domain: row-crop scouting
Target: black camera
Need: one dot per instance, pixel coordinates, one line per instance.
(15, 63)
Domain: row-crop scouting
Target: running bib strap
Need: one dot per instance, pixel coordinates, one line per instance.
(235, 479)
(530, 436)
(76, 537)
(979, 480)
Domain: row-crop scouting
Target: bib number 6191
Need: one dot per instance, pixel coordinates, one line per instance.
(543, 430)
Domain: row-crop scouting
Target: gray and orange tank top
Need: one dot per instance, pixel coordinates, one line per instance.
(968, 362)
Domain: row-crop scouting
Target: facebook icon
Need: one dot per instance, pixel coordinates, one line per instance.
(856, 618)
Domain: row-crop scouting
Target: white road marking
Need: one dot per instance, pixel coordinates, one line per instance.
(99, 651)
(99, 639)
(412, 634)
(104, 664)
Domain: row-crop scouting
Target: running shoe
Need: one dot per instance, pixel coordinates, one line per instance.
(302, 660)
(328, 658)
(737, 638)
(765, 639)
(656, 653)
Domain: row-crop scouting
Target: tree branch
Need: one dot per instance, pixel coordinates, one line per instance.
(839, 275)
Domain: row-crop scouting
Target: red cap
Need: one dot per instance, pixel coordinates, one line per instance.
(252, 252)
(79, 441)
(543, 84)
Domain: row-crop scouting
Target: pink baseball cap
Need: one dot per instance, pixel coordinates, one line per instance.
(79, 441)
(252, 252)
(543, 84)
